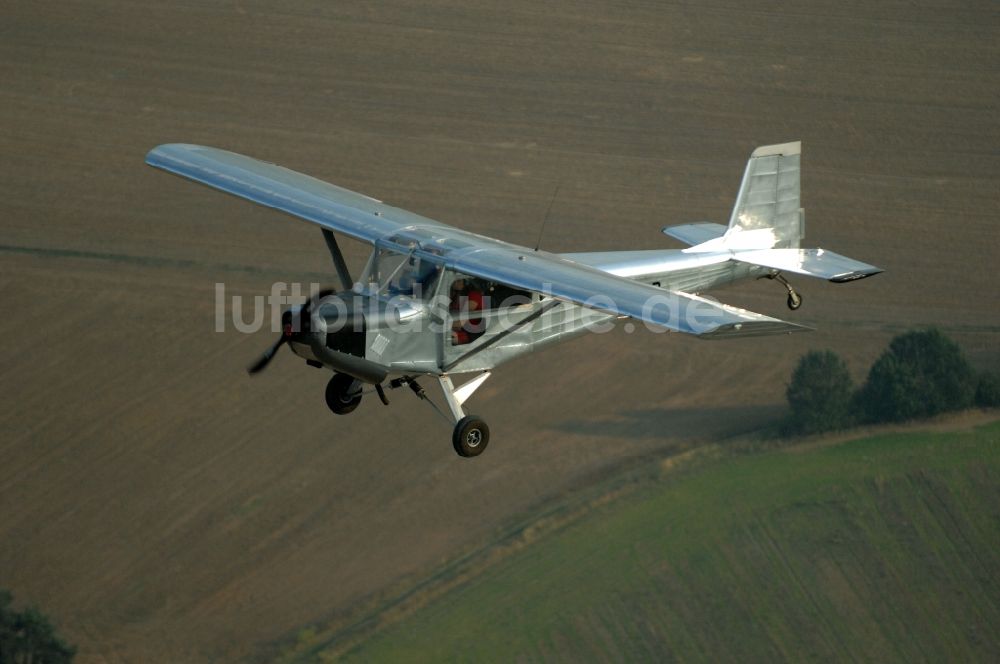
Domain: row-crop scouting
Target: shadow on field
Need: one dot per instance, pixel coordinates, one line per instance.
(680, 423)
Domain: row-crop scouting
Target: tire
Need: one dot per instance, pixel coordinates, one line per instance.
(470, 437)
(340, 394)
(794, 301)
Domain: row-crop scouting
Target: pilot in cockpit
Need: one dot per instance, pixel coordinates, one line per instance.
(466, 297)
(417, 279)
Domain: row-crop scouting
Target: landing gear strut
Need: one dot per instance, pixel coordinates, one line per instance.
(471, 435)
(794, 298)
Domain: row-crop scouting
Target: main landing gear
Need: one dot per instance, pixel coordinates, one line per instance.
(470, 435)
(794, 298)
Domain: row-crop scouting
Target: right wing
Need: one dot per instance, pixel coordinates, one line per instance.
(564, 279)
(332, 207)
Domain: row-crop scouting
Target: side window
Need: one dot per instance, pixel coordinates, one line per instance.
(466, 295)
(484, 295)
(500, 296)
(466, 300)
(384, 266)
(472, 300)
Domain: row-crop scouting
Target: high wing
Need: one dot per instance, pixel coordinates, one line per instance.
(564, 279)
(332, 207)
(369, 220)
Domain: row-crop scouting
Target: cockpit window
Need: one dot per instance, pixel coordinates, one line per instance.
(490, 295)
(387, 264)
(410, 275)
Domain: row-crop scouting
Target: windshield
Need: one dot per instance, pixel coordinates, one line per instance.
(410, 275)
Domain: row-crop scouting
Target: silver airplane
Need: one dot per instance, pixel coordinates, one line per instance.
(436, 301)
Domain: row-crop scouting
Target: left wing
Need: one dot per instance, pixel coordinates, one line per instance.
(332, 207)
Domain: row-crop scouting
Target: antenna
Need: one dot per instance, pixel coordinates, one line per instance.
(542, 229)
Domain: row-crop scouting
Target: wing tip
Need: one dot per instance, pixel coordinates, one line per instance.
(856, 275)
(165, 150)
(157, 155)
(754, 329)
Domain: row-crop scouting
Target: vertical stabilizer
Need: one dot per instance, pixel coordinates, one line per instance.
(767, 213)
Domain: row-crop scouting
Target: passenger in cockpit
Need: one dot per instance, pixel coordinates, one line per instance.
(465, 298)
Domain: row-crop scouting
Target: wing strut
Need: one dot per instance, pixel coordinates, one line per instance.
(338, 259)
(516, 326)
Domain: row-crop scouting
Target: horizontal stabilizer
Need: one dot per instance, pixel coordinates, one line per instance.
(694, 234)
(810, 262)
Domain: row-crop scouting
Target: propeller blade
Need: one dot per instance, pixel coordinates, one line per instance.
(265, 358)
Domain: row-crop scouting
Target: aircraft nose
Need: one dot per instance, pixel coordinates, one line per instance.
(343, 325)
(291, 323)
(329, 314)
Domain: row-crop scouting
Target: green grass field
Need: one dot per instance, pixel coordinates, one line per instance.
(884, 548)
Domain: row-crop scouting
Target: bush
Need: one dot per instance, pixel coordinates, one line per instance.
(28, 636)
(921, 374)
(988, 391)
(820, 394)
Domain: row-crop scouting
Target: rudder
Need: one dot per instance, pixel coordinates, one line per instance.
(767, 212)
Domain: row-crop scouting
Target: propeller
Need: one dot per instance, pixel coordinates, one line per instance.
(287, 330)
(303, 313)
(265, 359)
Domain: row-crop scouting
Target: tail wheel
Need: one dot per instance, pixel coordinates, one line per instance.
(343, 394)
(794, 300)
(471, 436)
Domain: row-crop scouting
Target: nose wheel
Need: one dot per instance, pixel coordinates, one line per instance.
(343, 394)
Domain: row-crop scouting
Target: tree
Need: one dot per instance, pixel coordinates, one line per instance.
(988, 391)
(28, 636)
(820, 394)
(921, 374)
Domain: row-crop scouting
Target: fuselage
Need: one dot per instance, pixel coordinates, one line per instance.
(383, 327)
